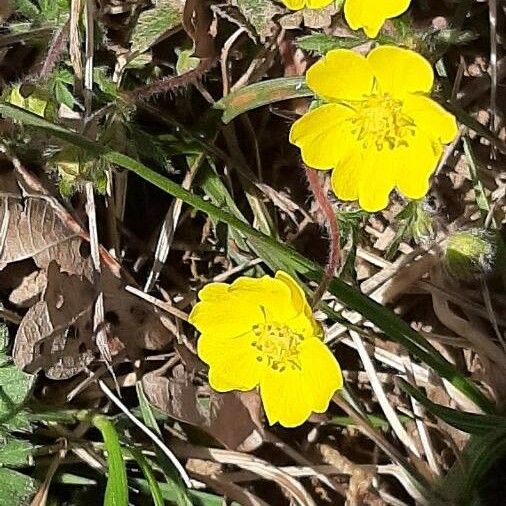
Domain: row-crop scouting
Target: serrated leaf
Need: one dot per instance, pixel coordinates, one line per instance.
(153, 23)
(15, 452)
(63, 95)
(16, 488)
(54, 10)
(15, 387)
(26, 8)
(259, 14)
(105, 84)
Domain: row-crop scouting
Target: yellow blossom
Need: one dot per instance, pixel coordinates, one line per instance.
(367, 14)
(370, 15)
(262, 333)
(378, 129)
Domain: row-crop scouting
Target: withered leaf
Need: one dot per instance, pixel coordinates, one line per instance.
(225, 416)
(55, 334)
(311, 18)
(35, 229)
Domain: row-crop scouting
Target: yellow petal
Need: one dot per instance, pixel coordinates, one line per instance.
(233, 362)
(317, 4)
(270, 296)
(415, 163)
(431, 118)
(298, 296)
(341, 75)
(400, 71)
(322, 372)
(346, 175)
(370, 15)
(295, 5)
(323, 135)
(377, 179)
(305, 323)
(289, 397)
(221, 314)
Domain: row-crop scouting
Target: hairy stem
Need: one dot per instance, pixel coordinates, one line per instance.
(56, 49)
(173, 83)
(334, 257)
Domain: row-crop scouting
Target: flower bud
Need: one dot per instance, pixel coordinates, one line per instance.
(470, 253)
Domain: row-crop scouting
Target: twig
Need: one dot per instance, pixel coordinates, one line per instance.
(334, 257)
(169, 225)
(418, 411)
(377, 387)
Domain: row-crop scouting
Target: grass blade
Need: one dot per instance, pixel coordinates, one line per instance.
(471, 423)
(145, 467)
(116, 493)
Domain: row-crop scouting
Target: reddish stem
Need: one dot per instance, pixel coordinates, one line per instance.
(56, 49)
(334, 257)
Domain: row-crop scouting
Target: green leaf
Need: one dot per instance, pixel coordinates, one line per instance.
(259, 14)
(105, 84)
(263, 93)
(145, 467)
(63, 95)
(15, 452)
(116, 493)
(15, 387)
(472, 423)
(197, 498)
(16, 488)
(471, 467)
(391, 325)
(26, 8)
(155, 22)
(54, 10)
(321, 43)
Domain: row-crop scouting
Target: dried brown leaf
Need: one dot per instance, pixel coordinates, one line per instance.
(35, 230)
(55, 333)
(225, 416)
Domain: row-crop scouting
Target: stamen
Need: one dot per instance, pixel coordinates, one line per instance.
(380, 123)
(278, 345)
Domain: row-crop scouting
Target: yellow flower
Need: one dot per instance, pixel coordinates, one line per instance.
(261, 332)
(367, 14)
(370, 15)
(378, 129)
(296, 5)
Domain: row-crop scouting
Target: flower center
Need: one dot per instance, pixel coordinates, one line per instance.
(277, 346)
(379, 122)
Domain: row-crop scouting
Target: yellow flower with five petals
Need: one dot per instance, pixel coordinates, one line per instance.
(366, 14)
(378, 129)
(262, 333)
